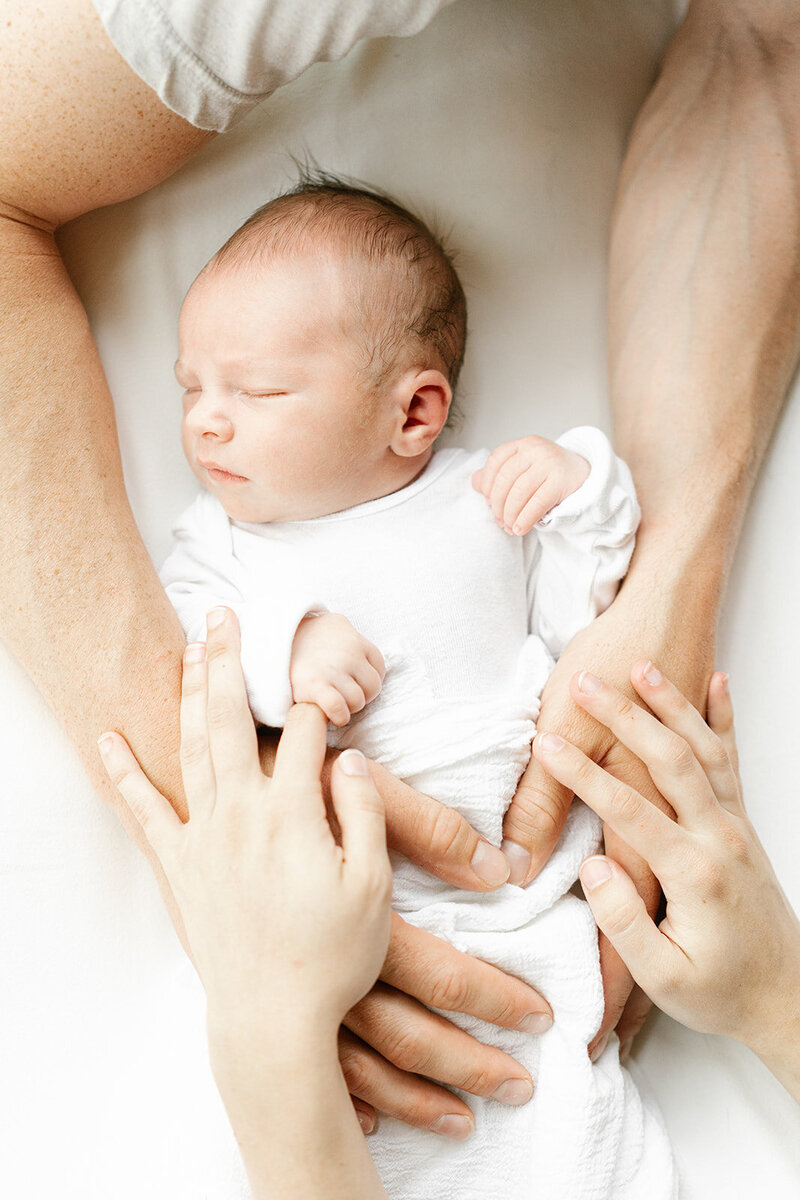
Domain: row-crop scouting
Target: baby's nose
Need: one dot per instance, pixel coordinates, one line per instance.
(209, 418)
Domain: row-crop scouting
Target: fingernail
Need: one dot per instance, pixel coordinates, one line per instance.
(723, 679)
(594, 872)
(490, 864)
(453, 1126)
(653, 675)
(519, 860)
(625, 1050)
(516, 529)
(551, 743)
(514, 1092)
(352, 762)
(366, 1122)
(104, 743)
(215, 618)
(599, 1048)
(588, 683)
(195, 652)
(536, 1022)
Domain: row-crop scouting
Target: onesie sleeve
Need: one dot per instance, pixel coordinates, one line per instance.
(202, 571)
(578, 553)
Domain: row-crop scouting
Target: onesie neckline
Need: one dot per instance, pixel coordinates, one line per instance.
(438, 464)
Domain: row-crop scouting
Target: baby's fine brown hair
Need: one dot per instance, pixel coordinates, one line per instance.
(411, 305)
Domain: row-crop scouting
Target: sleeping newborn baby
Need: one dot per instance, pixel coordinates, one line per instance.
(319, 350)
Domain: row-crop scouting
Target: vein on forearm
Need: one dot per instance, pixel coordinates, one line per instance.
(705, 282)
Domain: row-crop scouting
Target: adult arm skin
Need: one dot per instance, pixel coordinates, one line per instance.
(704, 310)
(79, 598)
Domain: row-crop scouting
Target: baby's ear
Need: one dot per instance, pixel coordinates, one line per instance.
(424, 402)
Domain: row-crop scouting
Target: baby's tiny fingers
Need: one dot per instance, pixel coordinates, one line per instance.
(493, 464)
(159, 821)
(370, 681)
(375, 658)
(332, 703)
(522, 489)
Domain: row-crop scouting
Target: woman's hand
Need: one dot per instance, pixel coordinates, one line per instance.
(286, 928)
(726, 958)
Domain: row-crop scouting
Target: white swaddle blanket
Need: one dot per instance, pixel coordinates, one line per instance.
(469, 620)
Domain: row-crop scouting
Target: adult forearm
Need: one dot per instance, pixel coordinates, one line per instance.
(295, 1124)
(80, 603)
(705, 285)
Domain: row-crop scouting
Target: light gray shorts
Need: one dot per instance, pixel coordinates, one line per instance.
(211, 61)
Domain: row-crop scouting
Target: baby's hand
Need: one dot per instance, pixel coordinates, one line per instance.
(524, 479)
(334, 667)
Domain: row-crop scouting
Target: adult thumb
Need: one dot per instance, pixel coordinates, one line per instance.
(533, 822)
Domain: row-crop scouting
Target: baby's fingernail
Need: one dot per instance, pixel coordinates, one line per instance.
(588, 683)
(551, 743)
(352, 762)
(594, 872)
(652, 675)
(519, 860)
(215, 618)
(490, 864)
(453, 1126)
(104, 743)
(516, 528)
(514, 1092)
(195, 652)
(536, 1022)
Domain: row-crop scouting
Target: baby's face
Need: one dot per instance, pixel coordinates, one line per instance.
(279, 422)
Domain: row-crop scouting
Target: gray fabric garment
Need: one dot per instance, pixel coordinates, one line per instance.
(211, 61)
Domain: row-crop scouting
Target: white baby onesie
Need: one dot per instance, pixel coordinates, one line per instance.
(470, 621)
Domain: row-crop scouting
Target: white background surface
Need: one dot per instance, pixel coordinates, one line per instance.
(506, 122)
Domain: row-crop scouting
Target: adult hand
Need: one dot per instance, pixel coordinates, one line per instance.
(392, 1047)
(280, 919)
(726, 958)
(535, 819)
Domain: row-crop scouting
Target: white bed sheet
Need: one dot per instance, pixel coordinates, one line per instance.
(506, 121)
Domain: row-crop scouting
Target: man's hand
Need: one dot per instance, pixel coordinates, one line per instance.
(334, 667)
(534, 820)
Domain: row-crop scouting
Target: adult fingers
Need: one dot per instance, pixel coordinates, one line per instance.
(367, 1117)
(666, 754)
(720, 719)
(424, 1043)
(621, 914)
(159, 821)
(617, 979)
(301, 753)
(435, 973)
(674, 710)
(637, 821)
(195, 754)
(408, 1098)
(231, 729)
(633, 1018)
(362, 821)
(437, 837)
(533, 822)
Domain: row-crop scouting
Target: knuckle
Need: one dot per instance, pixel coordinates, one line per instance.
(221, 712)
(193, 750)
(407, 1050)
(357, 1068)
(448, 832)
(624, 803)
(624, 707)
(479, 1081)
(450, 990)
(538, 815)
(679, 755)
